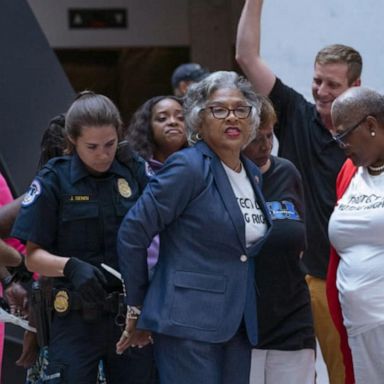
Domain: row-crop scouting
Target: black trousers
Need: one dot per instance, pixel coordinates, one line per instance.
(76, 346)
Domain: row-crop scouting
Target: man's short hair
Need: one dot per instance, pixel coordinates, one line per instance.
(339, 53)
(188, 72)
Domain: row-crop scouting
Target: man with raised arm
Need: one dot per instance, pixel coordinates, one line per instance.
(303, 131)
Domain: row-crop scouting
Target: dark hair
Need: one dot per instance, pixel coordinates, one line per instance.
(139, 132)
(53, 140)
(188, 72)
(91, 109)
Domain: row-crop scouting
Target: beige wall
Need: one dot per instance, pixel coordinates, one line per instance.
(151, 22)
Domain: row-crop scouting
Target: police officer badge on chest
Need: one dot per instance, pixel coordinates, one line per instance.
(124, 188)
(61, 302)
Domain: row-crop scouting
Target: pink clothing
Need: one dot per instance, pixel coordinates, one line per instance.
(5, 198)
(2, 329)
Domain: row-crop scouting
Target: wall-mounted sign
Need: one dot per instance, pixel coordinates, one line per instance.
(99, 18)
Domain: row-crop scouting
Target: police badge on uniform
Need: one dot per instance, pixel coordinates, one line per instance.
(61, 302)
(124, 188)
(33, 193)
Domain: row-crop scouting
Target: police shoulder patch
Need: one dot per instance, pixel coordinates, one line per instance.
(33, 193)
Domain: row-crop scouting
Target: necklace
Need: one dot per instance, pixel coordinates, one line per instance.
(238, 168)
(380, 168)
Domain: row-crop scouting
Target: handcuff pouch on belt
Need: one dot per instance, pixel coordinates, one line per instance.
(41, 310)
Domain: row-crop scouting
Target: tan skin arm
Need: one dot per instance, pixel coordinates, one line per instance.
(248, 48)
(43, 262)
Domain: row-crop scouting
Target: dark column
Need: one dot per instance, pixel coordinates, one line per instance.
(211, 33)
(33, 89)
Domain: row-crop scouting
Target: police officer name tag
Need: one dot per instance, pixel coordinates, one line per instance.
(79, 198)
(124, 188)
(33, 193)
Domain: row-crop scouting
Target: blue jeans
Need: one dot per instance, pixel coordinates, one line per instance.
(190, 362)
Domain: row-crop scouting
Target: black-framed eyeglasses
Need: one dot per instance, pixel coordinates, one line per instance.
(340, 138)
(241, 112)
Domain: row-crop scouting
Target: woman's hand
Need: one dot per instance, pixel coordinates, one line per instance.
(17, 298)
(30, 350)
(132, 337)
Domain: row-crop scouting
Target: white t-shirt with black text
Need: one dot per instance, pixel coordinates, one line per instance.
(356, 230)
(255, 224)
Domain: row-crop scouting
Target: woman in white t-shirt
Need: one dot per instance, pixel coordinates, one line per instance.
(356, 228)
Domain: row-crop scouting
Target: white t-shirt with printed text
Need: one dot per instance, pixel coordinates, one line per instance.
(255, 223)
(356, 230)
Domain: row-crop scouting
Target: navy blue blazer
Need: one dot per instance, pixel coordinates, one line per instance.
(203, 284)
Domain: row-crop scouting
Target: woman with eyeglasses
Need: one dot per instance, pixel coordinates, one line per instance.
(355, 282)
(207, 206)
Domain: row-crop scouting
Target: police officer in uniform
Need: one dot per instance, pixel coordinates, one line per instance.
(69, 220)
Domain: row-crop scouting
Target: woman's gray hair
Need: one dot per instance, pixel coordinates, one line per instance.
(198, 94)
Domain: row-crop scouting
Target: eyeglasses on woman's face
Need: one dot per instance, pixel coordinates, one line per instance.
(221, 113)
(341, 137)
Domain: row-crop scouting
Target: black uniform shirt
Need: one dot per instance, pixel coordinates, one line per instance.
(69, 212)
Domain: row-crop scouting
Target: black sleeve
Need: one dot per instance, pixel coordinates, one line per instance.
(298, 192)
(140, 170)
(286, 102)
